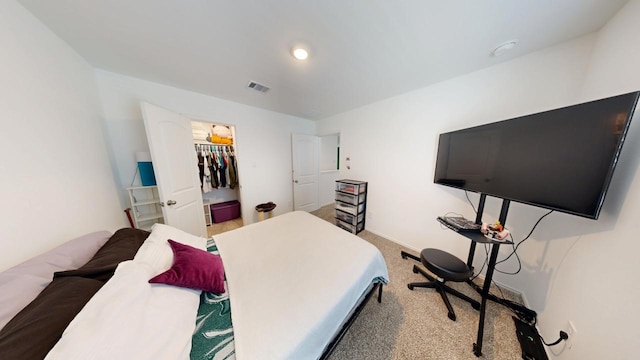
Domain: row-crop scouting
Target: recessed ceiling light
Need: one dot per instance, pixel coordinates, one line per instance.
(500, 49)
(299, 53)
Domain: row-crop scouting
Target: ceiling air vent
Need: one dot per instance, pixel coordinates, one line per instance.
(259, 87)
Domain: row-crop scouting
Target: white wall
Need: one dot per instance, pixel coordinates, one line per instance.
(593, 283)
(56, 181)
(328, 168)
(263, 138)
(329, 152)
(573, 268)
(392, 143)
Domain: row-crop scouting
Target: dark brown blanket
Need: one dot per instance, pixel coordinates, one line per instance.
(122, 246)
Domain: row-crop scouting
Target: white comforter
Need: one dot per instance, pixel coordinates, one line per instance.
(132, 319)
(292, 280)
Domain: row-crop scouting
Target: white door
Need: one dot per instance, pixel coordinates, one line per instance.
(176, 168)
(306, 154)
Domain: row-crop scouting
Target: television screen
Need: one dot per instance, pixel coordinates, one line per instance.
(561, 159)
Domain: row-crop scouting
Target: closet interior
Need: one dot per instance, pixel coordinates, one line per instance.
(215, 150)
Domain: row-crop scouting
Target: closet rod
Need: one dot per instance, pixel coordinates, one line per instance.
(200, 147)
(202, 142)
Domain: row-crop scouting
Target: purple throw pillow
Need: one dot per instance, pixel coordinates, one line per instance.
(193, 268)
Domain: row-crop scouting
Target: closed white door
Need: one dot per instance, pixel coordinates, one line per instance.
(306, 154)
(176, 168)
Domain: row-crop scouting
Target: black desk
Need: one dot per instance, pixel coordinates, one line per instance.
(479, 238)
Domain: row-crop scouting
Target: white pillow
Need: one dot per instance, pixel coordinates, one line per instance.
(156, 252)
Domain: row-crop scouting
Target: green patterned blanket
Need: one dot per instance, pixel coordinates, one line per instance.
(213, 336)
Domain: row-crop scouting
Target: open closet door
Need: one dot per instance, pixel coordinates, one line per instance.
(176, 168)
(305, 151)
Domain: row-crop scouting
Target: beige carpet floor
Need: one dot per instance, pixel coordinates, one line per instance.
(218, 228)
(414, 324)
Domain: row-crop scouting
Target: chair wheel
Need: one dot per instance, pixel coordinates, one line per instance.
(475, 306)
(415, 270)
(410, 287)
(452, 316)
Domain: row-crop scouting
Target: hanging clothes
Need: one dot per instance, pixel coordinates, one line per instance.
(207, 175)
(200, 167)
(217, 167)
(222, 170)
(213, 169)
(233, 172)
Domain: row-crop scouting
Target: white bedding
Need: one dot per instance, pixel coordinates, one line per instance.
(292, 280)
(132, 319)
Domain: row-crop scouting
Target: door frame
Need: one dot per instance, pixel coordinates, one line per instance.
(295, 177)
(199, 118)
(329, 176)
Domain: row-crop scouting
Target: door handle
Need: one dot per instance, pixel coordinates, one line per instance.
(171, 202)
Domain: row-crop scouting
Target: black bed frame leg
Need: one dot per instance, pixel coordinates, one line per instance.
(329, 348)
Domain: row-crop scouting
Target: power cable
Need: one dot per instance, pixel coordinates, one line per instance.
(515, 249)
(563, 336)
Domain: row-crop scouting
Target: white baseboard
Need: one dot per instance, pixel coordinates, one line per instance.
(509, 288)
(394, 240)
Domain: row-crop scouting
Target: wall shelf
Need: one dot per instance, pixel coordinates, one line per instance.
(145, 206)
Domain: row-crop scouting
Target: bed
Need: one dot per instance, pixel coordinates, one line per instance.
(291, 286)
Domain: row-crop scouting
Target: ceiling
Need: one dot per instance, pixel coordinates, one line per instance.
(361, 51)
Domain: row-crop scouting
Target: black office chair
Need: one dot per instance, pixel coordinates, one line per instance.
(447, 268)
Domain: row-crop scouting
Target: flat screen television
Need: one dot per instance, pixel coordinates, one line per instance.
(560, 159)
